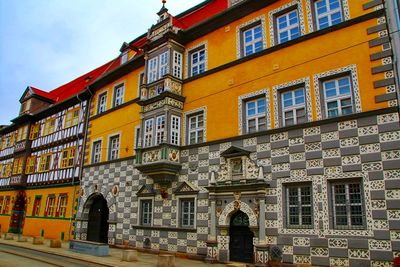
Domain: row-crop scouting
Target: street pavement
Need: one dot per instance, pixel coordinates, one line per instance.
(114, 259)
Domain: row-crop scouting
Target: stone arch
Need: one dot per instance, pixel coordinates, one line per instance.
(224, 218)
(89, 201)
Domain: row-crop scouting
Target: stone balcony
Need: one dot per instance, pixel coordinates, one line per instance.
(161, 163)
(168, 84)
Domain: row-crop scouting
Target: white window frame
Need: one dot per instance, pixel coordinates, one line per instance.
(140, 83)
(257, 116)
(299, 205)
(338, 98)
(113, 148)
(348, 205)
(152, 69)
(294, 107)
(177, 65)
(327, 14)
(124, 57)
(102, 102)
(253, 42)
(197, 52)
(138, 142)
(289, 27)
(163, 68)
(196, 129)
(148, 132)
(118, 96)
(160, 129)
(96, 153)
(179, 214)
(175, 130)
(140, 220)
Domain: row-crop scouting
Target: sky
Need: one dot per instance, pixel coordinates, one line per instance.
(47, 43)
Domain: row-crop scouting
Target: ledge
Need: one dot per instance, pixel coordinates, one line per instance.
(171, 229)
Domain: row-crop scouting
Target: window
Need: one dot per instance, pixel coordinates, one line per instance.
(140, 83)
(6, 171)
(187, 212)
(197, 61)
(44, 162)
(256, 119)
(34, 133)
(49, 211)
(177, 65)
(36, 206)
(137, 137)
(152, 70)
(30, 165)
(71, 118)
(338, 97)
(148, 132)
(68, 157)
(17, 166)
(96, 152)
(160, 129)
(293, 107)
(146, 212)
(113, 147)
(118, 95)
(1, 204)
(288, 27)
(252, 40)
(49, 126)
(328, 13)
(62, 205)
(196, 128)
(175, 130)
(22, 133)
(163, 68)
(6, 205)
(124, 57)
(299, 206)
(347, 205)
(102, 103)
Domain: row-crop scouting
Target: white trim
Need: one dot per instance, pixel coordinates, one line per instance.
(123, 83)
(310, 16)
(187, 57)
(119, 134)
(243, 99)
(176, 131)
(92, 147)
(239, 32)
(186, 115)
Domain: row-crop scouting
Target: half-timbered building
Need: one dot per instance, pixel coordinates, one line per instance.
(40, 160)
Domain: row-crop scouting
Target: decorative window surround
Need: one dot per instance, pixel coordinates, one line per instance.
(354, 79)
(272, 19)
(239, 32)
(179, 214)
(140, 213)
(118, 98)
(310, 13)
(185, 117)
(113, 152)
(95, 154)
(187, 56)
(307, 89)
(241, 101)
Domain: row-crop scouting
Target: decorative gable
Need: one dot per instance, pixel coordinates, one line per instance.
(146, 191)
(186, 188)
(235, 151)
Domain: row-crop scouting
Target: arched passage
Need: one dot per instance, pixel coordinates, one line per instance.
(97, 219)
(18, 213)
(240, 238)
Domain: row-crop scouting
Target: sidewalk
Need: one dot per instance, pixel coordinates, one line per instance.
(114, 259)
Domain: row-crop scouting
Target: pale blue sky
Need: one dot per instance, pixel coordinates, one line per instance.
(46, 43)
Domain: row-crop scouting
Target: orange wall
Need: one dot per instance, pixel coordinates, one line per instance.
(5, 218)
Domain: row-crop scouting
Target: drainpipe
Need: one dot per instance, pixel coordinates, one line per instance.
(82, 156)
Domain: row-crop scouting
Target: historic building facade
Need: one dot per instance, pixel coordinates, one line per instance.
(250, 130)
(40, 160)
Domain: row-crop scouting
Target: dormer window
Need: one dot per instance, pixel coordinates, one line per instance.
(25, 106)
(124, 57)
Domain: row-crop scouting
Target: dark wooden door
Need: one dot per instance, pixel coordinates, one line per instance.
(98, 221)
(18, 214)
(241, 238)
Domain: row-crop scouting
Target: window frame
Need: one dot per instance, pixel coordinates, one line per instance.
(17, 166)
(30, 166)
(112, 150)
(149, 214)
(94, 153)
(192, 200)
(148, 132)
(257, 116)
(243, 43)
(329, 13)
(49, 126)
(118, 96)
(61, 210)
(34, 131)
(294, 107)
(197, 51)
(197, 129)
(299, 187)
(6, 205)
(175, 129)
(50, 206)
(71, 117)
(44, 162)
(68, 157)
(337, 98)
(36, 206)
(124, 57)
(282, 13)
(160, 128)
(102, 105)
(333, 211)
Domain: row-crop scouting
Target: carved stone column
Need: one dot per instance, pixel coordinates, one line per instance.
(212, 244)
(262, 249)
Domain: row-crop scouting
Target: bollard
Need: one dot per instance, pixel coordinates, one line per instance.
(8, 236)
(166, 260)
(129, 255)
(55, 243)
(37, 240)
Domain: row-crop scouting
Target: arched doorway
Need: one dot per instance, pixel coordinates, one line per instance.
(98, 220)
(241, 238)
(18, 213)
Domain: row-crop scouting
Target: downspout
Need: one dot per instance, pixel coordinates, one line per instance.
(82, 159)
